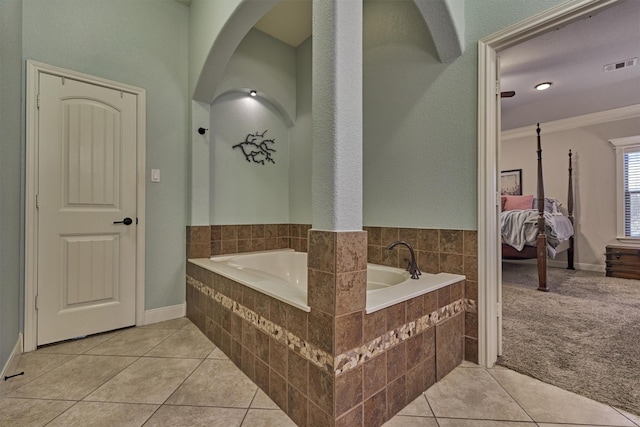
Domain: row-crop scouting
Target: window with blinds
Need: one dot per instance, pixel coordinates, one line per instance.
(631, 178)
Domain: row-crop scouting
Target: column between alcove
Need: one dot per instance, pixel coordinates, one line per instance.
(337, 251)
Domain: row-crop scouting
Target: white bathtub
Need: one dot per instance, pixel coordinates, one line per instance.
(282, 274)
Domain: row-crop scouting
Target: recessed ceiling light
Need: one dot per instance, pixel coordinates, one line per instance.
(543, 86)
(253, 93)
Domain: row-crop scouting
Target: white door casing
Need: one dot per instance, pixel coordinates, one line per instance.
(489, 256)
(85, 171)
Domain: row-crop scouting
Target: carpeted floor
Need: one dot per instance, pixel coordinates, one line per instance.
(582, 336)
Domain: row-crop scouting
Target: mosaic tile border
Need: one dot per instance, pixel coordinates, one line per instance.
(357, 356)
(305, 349)
(350, 359)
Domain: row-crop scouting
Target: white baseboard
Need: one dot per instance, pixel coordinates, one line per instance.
(161, 314)
(11, 366)
(560, 264)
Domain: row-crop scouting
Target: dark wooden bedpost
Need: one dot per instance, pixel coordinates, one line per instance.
(541, 243)
(570, 209)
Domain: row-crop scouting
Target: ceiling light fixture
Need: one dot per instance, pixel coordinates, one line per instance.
(253, 93)
(543, 86)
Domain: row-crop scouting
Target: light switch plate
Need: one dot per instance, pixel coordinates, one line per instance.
(155, 175)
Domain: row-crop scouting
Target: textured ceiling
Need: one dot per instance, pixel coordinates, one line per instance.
(573, 58)
(288, 21)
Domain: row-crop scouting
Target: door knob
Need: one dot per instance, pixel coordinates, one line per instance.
(126, 221)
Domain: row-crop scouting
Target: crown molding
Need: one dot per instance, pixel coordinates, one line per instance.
(590, 119)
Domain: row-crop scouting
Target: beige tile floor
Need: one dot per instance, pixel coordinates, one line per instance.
(170, 374)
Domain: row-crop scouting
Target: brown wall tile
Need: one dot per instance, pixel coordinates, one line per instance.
(444, 296)
(415, 382)
(396, 315)
(396, 361)
(271, 231)
(471, 290)
(216, 232)
(249, 336)
(375, 375)
(470, 242)
(243, 232)
(375, 409)
(257, 231)
(317, 417)
(409, 235)
(297, 407)
(321, 330)
(321, 290)
(471, 325)
(297, 322)
(321, 387)
(262, 346)
(374, 235)
(348, 333)
(451, 263)
(262, 375)
(298, 372)
(199, 234)
(457, 291)
(429, 262)
(428, 240)
(415, 350)
(228, 232)
(415, 308)
(452, 241)
(396, 396)
(278, 355)
(388, 235)
(351, 251)
(390, 257)
(471, 267)
(449, 345)
(322, 251)
(348, 390)
(351, 292)
(353, 418)
(374, 254)
(229, 247)
(283, 230)
(248, 364)
(278, 390)
(471, 350)
(375, 324)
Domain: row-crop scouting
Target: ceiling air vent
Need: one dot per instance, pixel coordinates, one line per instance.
(619, 65)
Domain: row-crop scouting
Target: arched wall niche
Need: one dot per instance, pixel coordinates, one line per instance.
(444, 19)
(248, 189)
(265, 96)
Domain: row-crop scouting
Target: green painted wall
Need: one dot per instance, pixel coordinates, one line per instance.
(420, 117)
(11, 159)
(142, 43)
(300, 141)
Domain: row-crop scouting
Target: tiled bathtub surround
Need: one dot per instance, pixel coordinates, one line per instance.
(205, 241)
(335, 365)
(398, 359)
(446, 251)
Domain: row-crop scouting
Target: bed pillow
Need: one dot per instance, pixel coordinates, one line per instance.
(503, 201)
(518, 202)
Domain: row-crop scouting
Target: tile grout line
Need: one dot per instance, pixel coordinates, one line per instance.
(511, 396)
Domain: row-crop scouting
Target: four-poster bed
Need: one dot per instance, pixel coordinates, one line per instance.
(529, 233)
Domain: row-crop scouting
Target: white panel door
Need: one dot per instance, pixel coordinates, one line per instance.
(86, 192)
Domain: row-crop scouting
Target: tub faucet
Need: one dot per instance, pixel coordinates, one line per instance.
(412, 266)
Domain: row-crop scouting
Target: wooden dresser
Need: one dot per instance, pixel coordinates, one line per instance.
(623, 261)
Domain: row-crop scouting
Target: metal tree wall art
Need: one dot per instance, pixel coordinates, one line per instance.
(256, 148)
